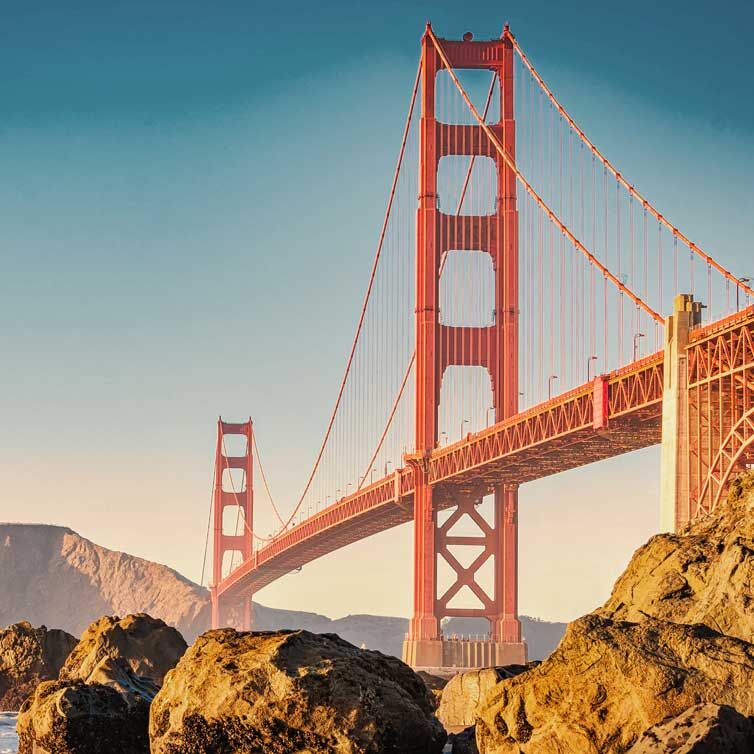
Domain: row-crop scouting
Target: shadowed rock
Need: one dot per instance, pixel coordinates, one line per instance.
(109, 714)
(148, 645)
(28, 656)
(291, 692)
(463, 742)
(702, 729)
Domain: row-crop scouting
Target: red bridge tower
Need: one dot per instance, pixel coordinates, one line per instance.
(237, 497)
(439, 346)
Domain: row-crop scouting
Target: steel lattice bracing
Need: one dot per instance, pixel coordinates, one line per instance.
(721, 407)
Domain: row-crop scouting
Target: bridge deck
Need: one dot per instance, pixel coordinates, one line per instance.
(555, 436)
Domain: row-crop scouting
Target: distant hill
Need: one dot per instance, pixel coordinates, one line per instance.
(50, 575)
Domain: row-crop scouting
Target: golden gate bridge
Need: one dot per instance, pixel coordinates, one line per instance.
(527, 312)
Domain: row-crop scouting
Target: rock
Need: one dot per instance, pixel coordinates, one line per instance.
(28, 656)
(464, 693)
(704, 575)
(434, 684)
(73, 717)
(101, 702)
(291, 691)
(610, 680)
(463, 742)
(701, 729)
(51, 575)
(148, 645)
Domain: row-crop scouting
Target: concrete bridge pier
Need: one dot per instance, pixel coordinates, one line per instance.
(675, 511)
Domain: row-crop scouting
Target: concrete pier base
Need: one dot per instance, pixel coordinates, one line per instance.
(438, 656)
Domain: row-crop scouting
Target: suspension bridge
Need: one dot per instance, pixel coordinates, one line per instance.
(527, 312)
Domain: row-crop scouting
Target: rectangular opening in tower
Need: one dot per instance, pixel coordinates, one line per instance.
(234, 445)
(450, 106)
(233, 520)
(467, 185)
(234, 480)
(467, 290)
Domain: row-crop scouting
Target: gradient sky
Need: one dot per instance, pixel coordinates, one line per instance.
(190, 194)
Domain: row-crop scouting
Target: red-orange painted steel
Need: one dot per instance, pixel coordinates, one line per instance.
(495, 347)
(721, 408)
(547, 439)
(242, 499)
(610, 415)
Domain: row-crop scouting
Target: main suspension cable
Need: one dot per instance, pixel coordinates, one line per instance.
(610, 168)
(530, 189)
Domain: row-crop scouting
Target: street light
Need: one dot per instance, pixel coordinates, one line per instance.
(446, 436)
(738, 288)
(491, 408)
(636, 344)
(371, 475)
(589, 368)
(387, 463)
(463, 421)
(549, 385)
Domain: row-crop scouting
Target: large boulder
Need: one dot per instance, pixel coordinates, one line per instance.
(608, 681)
(291, 691)
(109, 714)
(701, 729)
(28, 656)
(148, 645)
(703, 575)
(465, 691)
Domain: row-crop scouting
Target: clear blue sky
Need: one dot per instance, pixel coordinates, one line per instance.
(189, 200)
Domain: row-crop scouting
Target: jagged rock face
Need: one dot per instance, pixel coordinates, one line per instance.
(464, 693)
(51, 575)
(704, 575)
(609, 681)
(149, 646)
(28, 656)
(288, 692)
(72, 717)
(702, 729)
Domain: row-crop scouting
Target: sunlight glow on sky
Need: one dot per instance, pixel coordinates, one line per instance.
(190, 202)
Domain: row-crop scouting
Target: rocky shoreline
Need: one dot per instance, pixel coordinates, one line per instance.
(666, 666)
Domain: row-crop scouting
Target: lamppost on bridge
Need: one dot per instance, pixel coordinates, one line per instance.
(491, 408)
(463, 421)
(637, 336)
(738, 290)
(549, 385)
(387, 463)
(589, 367)
(441, 436)
(371, 475)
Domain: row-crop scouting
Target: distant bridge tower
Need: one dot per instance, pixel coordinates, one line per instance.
(439, 346)
(235, 496)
